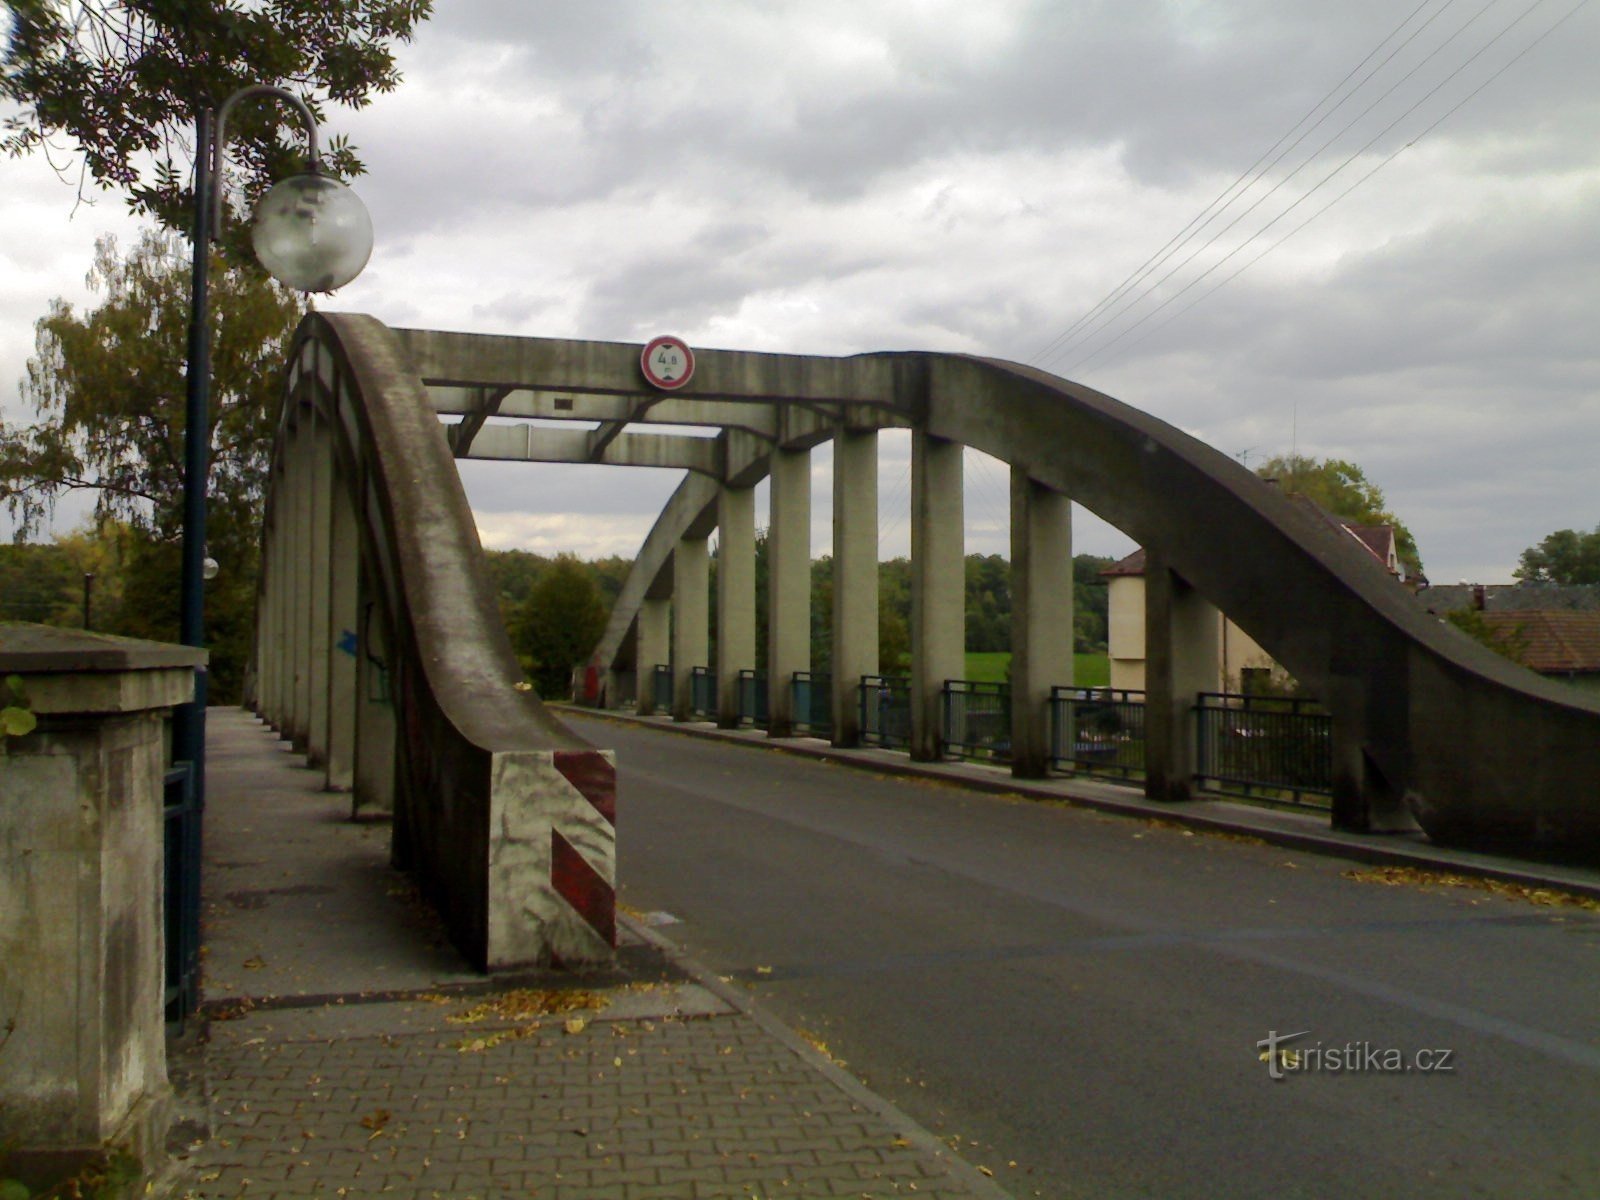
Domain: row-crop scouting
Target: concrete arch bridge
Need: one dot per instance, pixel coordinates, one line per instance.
(382, 655)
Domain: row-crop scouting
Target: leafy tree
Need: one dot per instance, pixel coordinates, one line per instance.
(1508, 641)
(1344, 490)
(1564, 557)
(557, 625)
(123, 80)
(107, 389)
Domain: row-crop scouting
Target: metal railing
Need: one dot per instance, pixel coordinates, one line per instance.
(703, 692)
(811, 703)
(975, 719)
(885, 710)
(753, 698)
(1271, 748)
(661, 688)
(1097, 731)
(181, 872)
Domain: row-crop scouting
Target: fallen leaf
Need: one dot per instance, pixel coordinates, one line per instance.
(575, 1025)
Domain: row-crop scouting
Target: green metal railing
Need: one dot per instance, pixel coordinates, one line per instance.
(1273, 748)
(1097, 731)
(885, 711)
(753, 698)
(975, 719)
(811, 700)
(703, 692)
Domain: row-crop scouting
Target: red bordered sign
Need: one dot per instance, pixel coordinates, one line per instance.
(667, 363)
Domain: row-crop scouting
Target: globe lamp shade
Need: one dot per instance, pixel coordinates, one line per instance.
(312, 233)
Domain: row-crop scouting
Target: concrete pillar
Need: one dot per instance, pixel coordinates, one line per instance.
(344, 624)
(266, 630)
(652, 649)
(788, 585)
(855, 576)
(279, 590)
(299, 548)
(736, 597)
(691, 588)
(81, 872)
(373, 794)
(1041, 617)
(319, 598)
(1363, 800)
(938, 585)
(1183, 655)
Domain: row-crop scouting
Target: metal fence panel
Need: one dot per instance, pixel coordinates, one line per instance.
(1273, 748)
(885, 711)
(975, 719)
(1097, 731)
(181, 870)
(662, 688)
(753, 698)
(812, 703)
(702, 692)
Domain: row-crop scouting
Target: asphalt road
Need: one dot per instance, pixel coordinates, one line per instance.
(1079, 998)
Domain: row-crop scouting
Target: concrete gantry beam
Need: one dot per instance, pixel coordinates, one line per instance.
(1041, 617)
(788, 585)
(855, 576)
(528, 443)
(938, 584)
(756, 416)
(736, 597)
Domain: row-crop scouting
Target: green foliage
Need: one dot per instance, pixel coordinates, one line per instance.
(1344, 490)
(16, 718)
(123, 82)
(1564, 557)
(557, 625)
(107, 388)
(1509, 642)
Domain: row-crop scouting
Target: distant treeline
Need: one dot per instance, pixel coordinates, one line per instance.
(575, 597)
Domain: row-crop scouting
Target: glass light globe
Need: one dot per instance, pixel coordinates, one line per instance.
(209, 568)
(312, 233)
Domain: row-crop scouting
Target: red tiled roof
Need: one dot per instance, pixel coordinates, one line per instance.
(1553, 642)
(1132, 565)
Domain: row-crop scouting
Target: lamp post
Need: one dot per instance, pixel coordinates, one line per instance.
(311, 233)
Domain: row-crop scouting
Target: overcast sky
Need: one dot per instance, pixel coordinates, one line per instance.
(830, 178)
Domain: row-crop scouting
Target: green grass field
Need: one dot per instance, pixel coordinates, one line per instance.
(1089, 670)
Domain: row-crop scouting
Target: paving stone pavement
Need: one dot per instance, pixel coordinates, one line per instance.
(652, 1080)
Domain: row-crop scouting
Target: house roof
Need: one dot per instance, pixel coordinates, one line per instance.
(1552, 642)
(1377, 538)
(1132, 565)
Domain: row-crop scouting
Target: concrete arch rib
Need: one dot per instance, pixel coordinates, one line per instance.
(504, 816)
(1472, 745)
(1476, 746)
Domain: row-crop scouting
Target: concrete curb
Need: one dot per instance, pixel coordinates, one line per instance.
(921, 1139)
(1293, 831)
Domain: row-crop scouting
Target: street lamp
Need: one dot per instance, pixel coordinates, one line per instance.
(311, 233)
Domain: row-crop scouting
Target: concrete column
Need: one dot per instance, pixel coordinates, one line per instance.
(373, 794)
(81, 850)
(855, 576)
(788, 585)
(1363, 800)
(344, 624)
(938, 584)
(281, 647)
(299, 548)
(652, 649)
(1041, 617)
(1183, 648)
(266, 630)
(736, 597)
(319, 550)
(691, 587)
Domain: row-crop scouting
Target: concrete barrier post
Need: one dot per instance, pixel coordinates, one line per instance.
(855, 576)
(938, 585)
(788, 585)
(82, 983)
(1041, 617)
(736, 597)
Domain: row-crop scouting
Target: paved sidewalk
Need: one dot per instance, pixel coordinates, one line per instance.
(344, 1049)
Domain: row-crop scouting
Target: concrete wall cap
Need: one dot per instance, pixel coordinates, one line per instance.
(28, 649)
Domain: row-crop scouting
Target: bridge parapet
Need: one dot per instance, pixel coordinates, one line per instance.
(382, 655)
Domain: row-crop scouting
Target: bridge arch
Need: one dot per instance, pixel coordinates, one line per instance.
(1427, 725)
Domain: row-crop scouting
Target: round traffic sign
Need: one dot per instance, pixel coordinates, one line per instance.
(667, 363)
